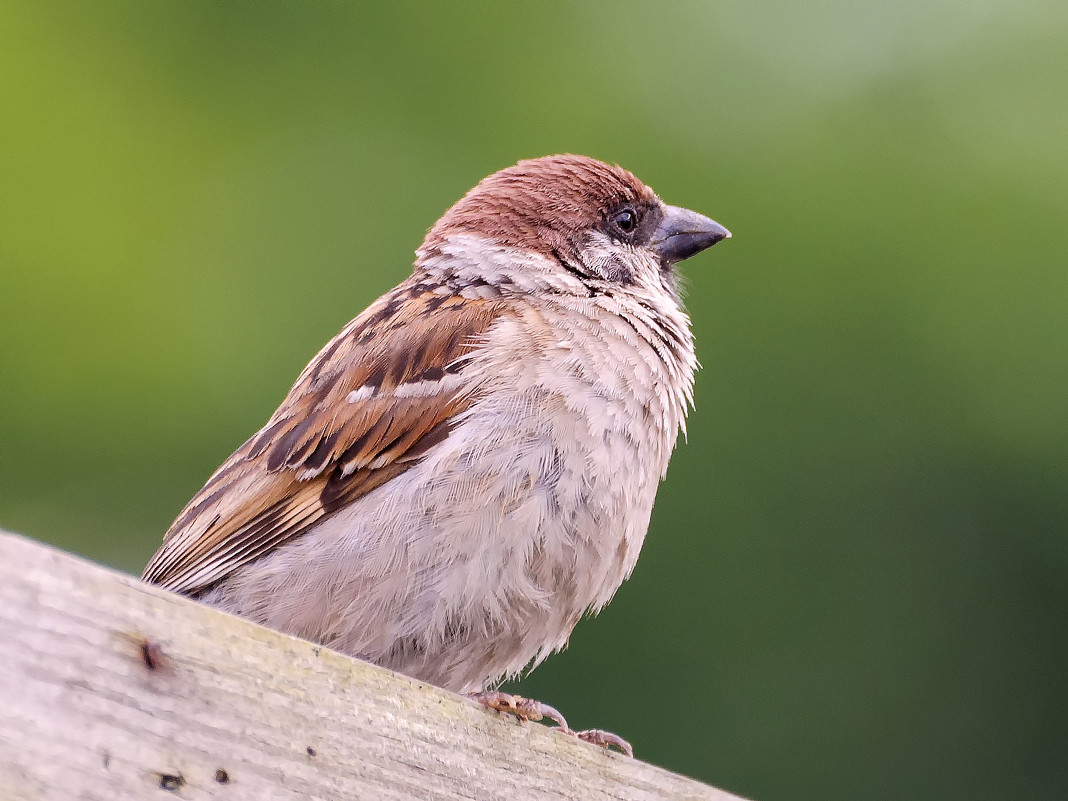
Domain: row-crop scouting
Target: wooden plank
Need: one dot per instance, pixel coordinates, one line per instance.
(111, 689)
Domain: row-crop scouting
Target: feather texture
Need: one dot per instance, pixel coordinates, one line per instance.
(367, 407)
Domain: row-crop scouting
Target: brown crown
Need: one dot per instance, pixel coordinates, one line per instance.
(541, 204)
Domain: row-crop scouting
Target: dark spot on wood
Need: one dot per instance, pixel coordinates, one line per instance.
(311, 751)
(107, 760)
(172, 782)
(152, 654)
(222, 777)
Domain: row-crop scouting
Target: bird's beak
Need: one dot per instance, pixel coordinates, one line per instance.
(682, 233)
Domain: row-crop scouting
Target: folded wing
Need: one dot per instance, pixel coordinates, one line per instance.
(368, 406)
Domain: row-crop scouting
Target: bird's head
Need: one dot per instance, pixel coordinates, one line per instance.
(595, 221)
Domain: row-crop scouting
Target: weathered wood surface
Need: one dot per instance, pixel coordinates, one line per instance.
(226, 709)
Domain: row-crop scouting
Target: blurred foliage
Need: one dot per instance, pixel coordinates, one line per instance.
(856, 582)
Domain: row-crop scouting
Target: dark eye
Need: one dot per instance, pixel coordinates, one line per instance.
(625, 220)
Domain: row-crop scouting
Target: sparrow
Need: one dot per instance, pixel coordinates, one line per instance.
(469, 466)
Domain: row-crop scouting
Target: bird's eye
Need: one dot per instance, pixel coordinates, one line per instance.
(626, 220)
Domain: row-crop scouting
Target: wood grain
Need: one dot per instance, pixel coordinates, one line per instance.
(111, 689)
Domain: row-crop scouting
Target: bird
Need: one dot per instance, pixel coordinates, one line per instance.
(469, 467)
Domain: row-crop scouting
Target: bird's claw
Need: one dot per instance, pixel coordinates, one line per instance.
(522, 708)
(605, 739)
(529, 709)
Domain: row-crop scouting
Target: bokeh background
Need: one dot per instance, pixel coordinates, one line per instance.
(856, 582)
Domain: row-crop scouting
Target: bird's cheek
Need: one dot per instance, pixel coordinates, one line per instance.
(614, 268)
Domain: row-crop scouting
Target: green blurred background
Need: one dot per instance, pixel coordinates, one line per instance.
(856, 582)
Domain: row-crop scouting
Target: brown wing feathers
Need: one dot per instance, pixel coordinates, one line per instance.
(367, 407)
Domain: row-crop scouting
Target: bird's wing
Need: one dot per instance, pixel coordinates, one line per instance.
(366, 408)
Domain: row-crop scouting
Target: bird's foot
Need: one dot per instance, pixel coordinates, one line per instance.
(522, 708)
(529, 709)
(605, 739)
